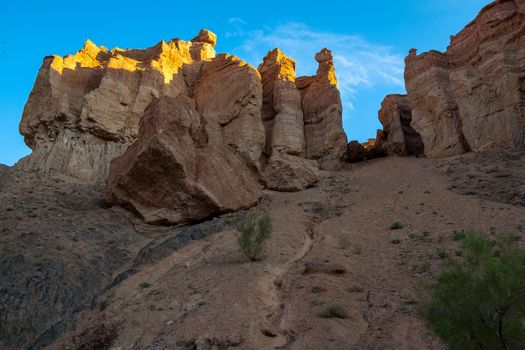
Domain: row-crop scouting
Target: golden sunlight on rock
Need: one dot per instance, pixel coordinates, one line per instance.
(100, 95)
(326, 66)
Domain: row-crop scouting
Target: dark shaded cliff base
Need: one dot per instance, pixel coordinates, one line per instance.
(61, 246)
(66, 255)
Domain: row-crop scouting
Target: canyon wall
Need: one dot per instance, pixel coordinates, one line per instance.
(179, 133)
(472, 97)
(85, 109)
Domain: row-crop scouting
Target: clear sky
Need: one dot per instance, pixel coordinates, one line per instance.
(369, 39)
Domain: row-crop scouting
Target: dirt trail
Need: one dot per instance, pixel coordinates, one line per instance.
(331, 244)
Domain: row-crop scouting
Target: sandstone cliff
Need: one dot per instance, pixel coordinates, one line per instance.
(282, 115)
(398, 136)
(85, 109)
(323, 127)
(472, 97)
(172, 174)
(208, 132)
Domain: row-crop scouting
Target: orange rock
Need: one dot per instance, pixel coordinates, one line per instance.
(229, 96)
(85, 109)
(322, 109)
(281, 111)
(172, 174)
(471, 97)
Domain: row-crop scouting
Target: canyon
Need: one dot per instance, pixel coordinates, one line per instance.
(117, 229)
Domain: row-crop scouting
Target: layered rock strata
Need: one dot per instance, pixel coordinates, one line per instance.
(85, 109)
(472, 97)
(325, 139)
(282, 115)
(188, 134)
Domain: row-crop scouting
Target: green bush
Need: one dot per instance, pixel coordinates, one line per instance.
(398, 225)
(344, 243)
(145, 285)
(458, 235)
(395, 239)
(253, 232)
(478, 301)
(334, 310)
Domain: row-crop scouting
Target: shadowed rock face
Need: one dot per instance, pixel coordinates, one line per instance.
(398, 136)
(282, 115)
(472, 96)
(59, 249)
(323, 126)
(172, 174)
(228, 94)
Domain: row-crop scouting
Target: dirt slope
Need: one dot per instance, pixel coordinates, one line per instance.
(331, 244)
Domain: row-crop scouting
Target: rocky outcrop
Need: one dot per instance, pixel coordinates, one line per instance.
(287, 169)
(355, 152)
(358, 152)
(174, 174)
(289, 173)
(398, 137)
(325, 138)
(281, 111)
(472, 97)
(214, 130)
(85, 109)
(228, 94)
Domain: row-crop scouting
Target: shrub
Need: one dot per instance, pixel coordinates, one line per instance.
(478, 301)
(442, 254)
(318, 289)
(145, 285)
(334, 310)
(344, 243)
(458, 235)
(253, 233)
(395, 239)
(397, 225)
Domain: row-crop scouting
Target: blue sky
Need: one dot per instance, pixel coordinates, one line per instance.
(369, 39)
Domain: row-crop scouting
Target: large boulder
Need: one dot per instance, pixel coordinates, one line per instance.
(472, 96)
(172, 174)
(355, 152)
(322, 109)
(398, 136)
(85, 109)
(289, 173)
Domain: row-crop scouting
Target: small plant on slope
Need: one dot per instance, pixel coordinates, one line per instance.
(478, 301)
(253, 233)
(334, 310)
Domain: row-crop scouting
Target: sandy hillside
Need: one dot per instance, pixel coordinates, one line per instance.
(331, 244)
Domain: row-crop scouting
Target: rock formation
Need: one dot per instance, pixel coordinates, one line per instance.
(472, 97)
(173, 174)
(228, 94)
(323, 127)
(188, 134)
(289, 173)
(84, 109)
(355, 152)
(282, 116)
(358, 152)
(398, 137)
